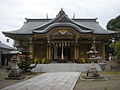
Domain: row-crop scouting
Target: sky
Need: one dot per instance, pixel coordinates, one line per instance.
(14, 12)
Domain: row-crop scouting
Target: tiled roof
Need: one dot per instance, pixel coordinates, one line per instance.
(42, 25)
(4, 46)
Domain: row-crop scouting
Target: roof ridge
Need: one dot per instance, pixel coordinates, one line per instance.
(38, 18)
(85, 19)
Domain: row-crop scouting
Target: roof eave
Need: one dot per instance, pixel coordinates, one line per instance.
(9, 33)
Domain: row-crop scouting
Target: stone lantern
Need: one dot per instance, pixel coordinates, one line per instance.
(15, 72)
(92, 72)
(92, 54)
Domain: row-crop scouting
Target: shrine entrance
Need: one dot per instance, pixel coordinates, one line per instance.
(62, 54)
(62, 43)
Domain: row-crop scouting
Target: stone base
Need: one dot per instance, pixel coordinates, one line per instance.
(15, 78)
(93, 77)
(93, 74)
(85, 78)
(15, 74)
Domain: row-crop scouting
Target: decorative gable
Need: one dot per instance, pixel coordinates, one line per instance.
(61, 18)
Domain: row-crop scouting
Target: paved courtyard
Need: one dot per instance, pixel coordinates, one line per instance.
(48, 81)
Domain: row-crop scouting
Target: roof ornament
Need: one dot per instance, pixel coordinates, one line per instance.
(62, 32)
(61, 12)
(46, 15)
(74, 15)
(61, 9)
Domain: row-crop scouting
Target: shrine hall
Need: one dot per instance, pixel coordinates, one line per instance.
(61, 39)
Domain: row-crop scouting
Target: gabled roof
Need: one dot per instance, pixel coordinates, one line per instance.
(60, 18)
(41, 26)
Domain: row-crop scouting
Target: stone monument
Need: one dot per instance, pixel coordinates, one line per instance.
(15, 72)
(92, 71)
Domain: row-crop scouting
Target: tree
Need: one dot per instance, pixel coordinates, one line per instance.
(114, 24)
(25, 64)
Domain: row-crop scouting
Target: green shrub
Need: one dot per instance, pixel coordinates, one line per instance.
(87, 60)
(36, 60)
(44, 60)
(82, 60)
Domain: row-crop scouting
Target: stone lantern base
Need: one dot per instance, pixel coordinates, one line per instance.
(92, 72)
(15, 74)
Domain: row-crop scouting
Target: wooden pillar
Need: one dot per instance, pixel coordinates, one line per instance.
(31, 48)
(72, 54)
(49, 52)
(93, 44)
(103, 50)
(76, 49)
(47, 56)
(48, 48)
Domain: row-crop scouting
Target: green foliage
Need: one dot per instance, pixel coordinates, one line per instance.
(116, 47)
(87, 60)
(114, 24)
(25, 44)
(105, 88)
(81, 60)
(36, 60)
(16, 43)
(45, 61)
(24, 65)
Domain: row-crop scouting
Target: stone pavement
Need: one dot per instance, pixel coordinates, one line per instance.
(48, 81)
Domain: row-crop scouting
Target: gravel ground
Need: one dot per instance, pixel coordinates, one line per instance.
(112, 84)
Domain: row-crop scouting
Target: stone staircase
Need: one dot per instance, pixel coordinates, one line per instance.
(63, 67)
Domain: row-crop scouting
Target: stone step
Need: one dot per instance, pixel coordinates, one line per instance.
(63, 67)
